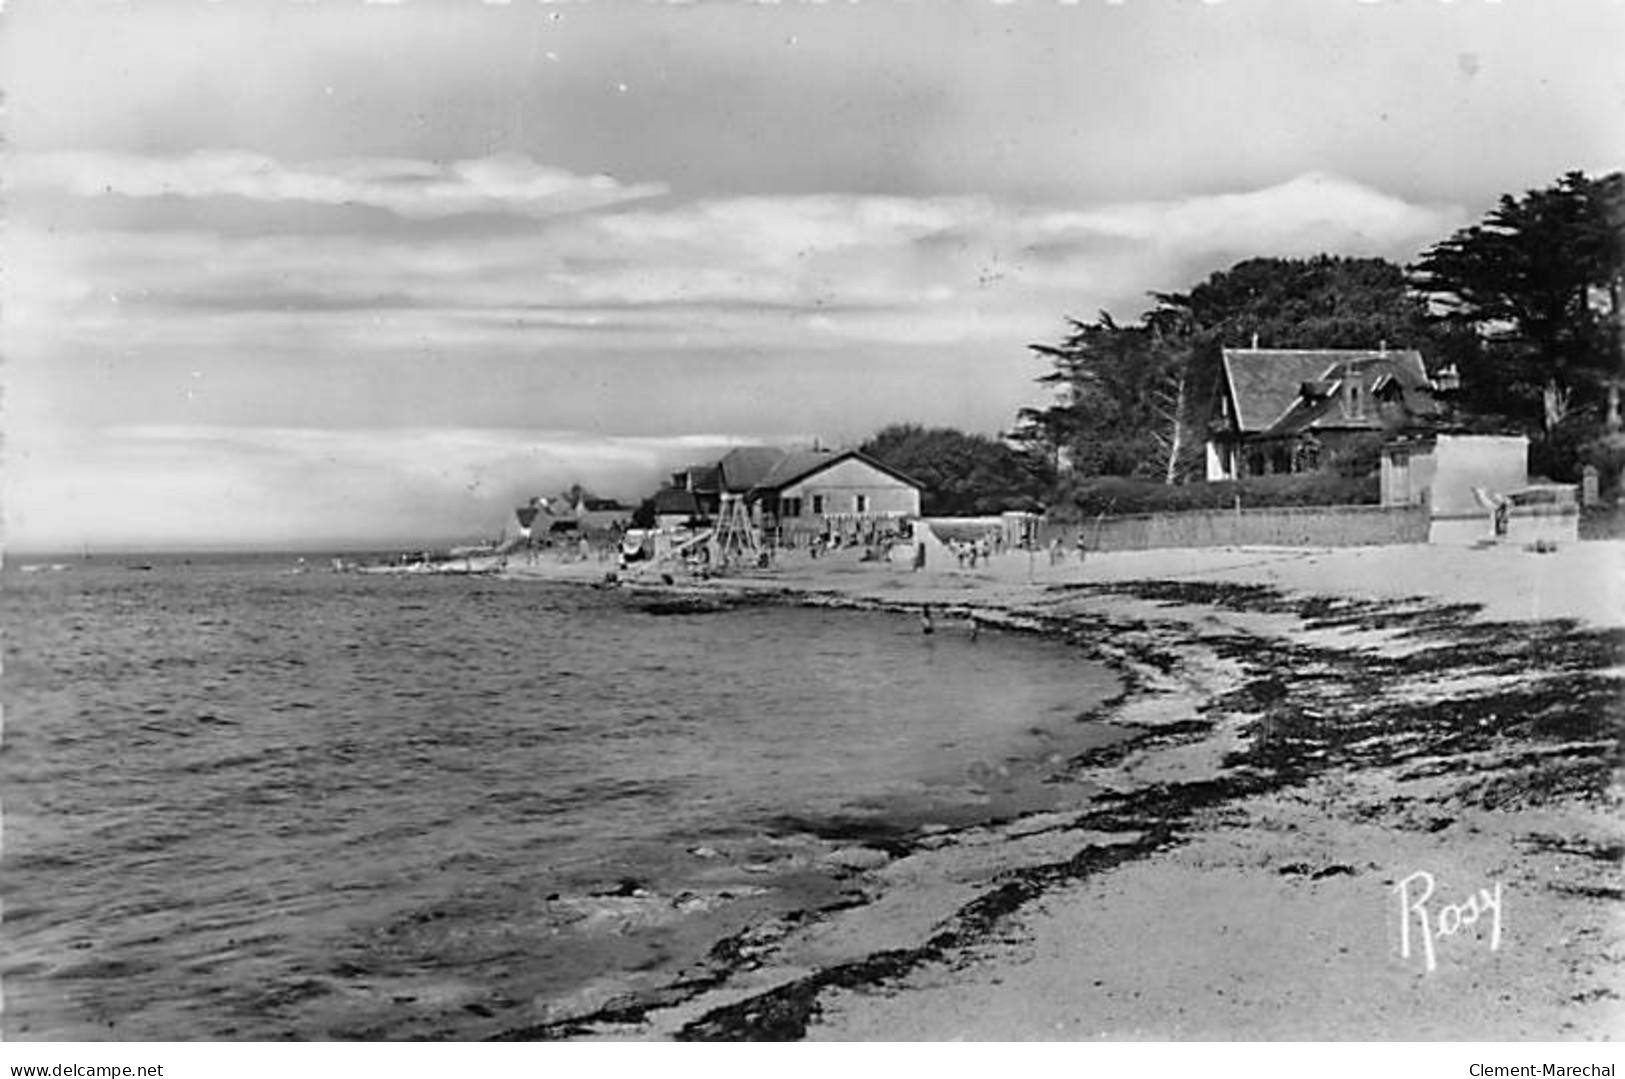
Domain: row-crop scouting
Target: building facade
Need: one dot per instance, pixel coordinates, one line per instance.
(846, 496)
(794, 496)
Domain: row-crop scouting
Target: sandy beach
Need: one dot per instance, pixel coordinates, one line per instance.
(1371, 793)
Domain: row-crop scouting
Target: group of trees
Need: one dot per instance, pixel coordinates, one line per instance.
(963, 474)
(1526, 306)
(1133, 400)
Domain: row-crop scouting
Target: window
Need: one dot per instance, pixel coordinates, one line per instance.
(860, 503)
(818, 504)
(789, 507)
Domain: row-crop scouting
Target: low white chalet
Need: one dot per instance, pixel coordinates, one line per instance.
(795, 495)
(822, 493)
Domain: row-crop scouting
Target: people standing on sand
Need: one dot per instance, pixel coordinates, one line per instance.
(1082, 547)
(1055, 551)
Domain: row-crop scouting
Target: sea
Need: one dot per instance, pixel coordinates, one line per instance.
(247, 798)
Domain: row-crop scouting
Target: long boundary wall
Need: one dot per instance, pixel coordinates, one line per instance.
(1284, 526)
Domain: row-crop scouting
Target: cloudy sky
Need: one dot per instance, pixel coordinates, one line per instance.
(313, 273)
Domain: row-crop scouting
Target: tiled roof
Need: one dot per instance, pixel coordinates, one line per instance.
(1268, 385)
(800, 464)
(795, 465)
(743, 467)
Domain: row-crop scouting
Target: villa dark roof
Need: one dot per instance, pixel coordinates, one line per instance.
(1281, 391)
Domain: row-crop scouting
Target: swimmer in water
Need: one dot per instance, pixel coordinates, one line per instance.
(925, 620)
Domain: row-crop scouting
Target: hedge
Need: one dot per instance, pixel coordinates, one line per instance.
(1118, 496)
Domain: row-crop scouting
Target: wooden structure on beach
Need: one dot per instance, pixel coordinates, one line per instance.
(792, 496)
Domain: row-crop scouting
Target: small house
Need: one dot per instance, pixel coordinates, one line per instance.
(847, 495)
(794, 495)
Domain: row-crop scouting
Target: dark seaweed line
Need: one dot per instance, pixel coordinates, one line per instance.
(1290, 744)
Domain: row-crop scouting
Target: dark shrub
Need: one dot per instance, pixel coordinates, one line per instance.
(1117, 496)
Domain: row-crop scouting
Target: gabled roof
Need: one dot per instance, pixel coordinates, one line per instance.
(743, 467)
(793, 466)
(802, 464)
(1267, 384)
(1393, 375)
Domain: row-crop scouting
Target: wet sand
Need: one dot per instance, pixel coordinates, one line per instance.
(1310, 731)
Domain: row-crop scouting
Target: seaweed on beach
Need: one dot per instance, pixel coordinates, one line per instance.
(1318, 708)
(1534, 716)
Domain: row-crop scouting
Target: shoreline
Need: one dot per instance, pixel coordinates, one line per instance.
(1298, 753)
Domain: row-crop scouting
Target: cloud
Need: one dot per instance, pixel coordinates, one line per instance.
(281, 362)
(412, 188)
(204, 484)
(1309, 214)
(716, 270)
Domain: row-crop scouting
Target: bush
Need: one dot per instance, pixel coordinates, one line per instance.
(1606, 453)
(1118, 496)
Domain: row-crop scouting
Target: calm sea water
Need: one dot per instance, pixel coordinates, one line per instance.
(242, 802)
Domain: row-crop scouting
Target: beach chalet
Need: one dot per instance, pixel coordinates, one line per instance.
(793, 495)
(1292, 410)
(846, 495)
(736, 473)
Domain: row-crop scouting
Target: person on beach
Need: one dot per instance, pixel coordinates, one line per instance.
(919, 557)
(926, 625)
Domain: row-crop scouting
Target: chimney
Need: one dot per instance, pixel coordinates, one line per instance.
(1255, 342)
(1382, 347)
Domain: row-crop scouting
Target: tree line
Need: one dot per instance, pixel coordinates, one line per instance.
(1525, 305)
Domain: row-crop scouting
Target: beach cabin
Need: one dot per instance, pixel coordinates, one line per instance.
(846, 496)
(792, 496)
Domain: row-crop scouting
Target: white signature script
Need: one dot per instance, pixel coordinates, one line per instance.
(1449, 919)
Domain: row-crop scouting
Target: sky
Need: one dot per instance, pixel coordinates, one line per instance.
(306, 274)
